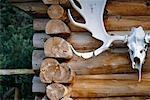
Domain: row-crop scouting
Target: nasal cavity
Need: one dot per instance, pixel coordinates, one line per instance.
(137, 61)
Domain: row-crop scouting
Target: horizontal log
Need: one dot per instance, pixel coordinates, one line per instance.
(112, 61)
(37, 9)
(37, 58)
(112, 23)
(16, 71)
(55, 1)
(39, 39)
(113, 7)
(37, 85)
(112, 87)
(22, 1)
(80, 40)
(115, 98)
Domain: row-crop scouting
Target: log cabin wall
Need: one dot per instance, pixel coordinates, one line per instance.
(60, 74)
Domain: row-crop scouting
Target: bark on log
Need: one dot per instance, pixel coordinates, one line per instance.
(37, 85)
(37, 9)
(107, 88)
(22, 1)
(113, 61)
(52, 71)
(58, 48)
(57, 12)
(112, 23)
(56, 91)
(115, 98)
(37, 58)
(54, 27)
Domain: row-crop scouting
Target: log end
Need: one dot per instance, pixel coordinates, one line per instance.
(57, 48)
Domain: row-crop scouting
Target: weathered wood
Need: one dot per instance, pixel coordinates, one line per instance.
(107, 88)
(115, 98)
(55, 1)
(17, 94)
(67, 98)
(22, 1)
(113, 7)
(58, 48)
(56, 91)
(37, 85)
(81, 40)
(15, 71)
(54, 27)
(52, 71)
(112, 61)
(47, 70)
(39, 39)
(37, 58)
(112, 23)
(40, 24)
(37, 9)
(123, 77)
(57, 12)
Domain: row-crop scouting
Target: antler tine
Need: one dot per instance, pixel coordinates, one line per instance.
(74, 22)
(83, 55)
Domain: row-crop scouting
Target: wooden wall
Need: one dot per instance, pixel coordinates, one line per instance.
(108, 76)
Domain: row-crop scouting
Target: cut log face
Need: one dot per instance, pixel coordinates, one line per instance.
(51, 70)
(47, 70)
(56, 27)
(57, 12)
(58, 48)
(56, 91)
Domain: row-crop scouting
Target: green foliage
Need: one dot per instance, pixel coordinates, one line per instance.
(16, 33)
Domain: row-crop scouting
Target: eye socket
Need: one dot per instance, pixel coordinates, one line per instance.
(131, 52)
(142, 51)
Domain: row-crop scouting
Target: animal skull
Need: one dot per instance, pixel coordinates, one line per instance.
(137, 48)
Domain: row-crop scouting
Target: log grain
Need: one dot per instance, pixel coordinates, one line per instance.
(115, 98)
(107, 88)
(36, 9)
(112, 23)
(113, 7)
(55, 1)
(112, 61)
(81, 40)
(52, 71)
(54, 27)
(56, 91)
(57, 47)
(57, 12)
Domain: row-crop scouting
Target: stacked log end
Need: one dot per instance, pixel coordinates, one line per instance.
(105, 77)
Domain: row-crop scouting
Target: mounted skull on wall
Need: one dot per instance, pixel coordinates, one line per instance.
(137, 48)
(92, 11)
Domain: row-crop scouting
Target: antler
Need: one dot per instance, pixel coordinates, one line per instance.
(92, 11)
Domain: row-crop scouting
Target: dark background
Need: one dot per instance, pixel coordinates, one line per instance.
(16, 33)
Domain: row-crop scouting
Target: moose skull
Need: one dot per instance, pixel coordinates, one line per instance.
(137, 48)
